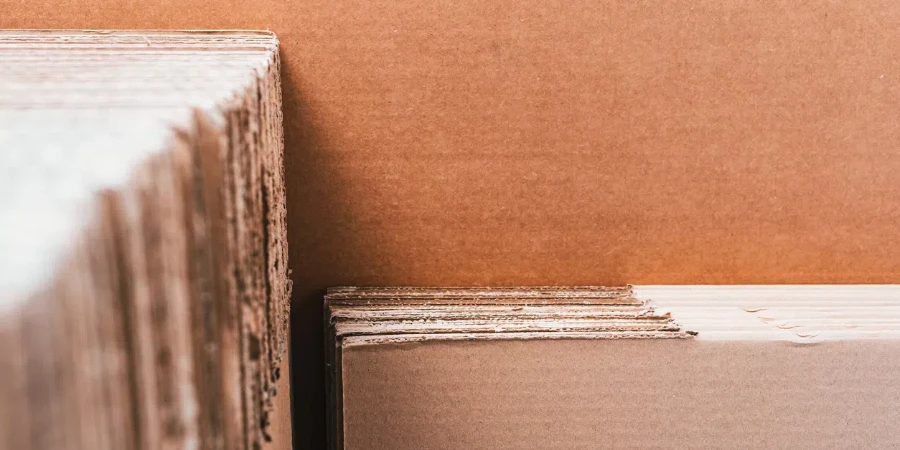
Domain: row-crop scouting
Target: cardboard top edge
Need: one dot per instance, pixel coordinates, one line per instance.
(755, 290)
(135, 32)
(485, 301)
(465, 295)
(388, 339)
(809, 314)
(454, 312)
(343, 330)
(71, 40)
(485, 307)
(338, 289)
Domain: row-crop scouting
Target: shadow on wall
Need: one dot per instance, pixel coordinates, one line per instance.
(416, 199)
(325, 242)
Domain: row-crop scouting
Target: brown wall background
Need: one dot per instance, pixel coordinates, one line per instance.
(565, 142)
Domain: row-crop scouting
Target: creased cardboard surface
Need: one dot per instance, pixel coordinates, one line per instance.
(533, 142)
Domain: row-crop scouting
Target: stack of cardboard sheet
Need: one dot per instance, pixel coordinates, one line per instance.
(566, 368)
(363, 319)
(374, 315)
(143, 275)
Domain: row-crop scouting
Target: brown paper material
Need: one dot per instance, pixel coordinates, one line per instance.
(526, 142)
(749, 367)
(144, 283)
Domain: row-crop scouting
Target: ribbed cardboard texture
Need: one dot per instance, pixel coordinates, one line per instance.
(383, 317)
(144, 292)
(534, 143)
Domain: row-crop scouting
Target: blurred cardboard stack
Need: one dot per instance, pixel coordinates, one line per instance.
(562, 368)
(144, 257)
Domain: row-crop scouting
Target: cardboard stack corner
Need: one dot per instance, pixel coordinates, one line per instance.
(808, 367)
(143, 253)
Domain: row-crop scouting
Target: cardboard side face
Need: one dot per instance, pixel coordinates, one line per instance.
(670, 393)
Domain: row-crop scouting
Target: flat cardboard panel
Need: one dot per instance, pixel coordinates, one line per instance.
(657, 393)
(534, 142)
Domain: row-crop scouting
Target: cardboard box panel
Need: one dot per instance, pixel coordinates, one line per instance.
(661, 393)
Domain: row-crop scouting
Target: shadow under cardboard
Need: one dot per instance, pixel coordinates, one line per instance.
(323, 246)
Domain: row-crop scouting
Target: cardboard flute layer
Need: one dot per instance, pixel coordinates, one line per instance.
(755, 367)
(376, 317)
(143, 274)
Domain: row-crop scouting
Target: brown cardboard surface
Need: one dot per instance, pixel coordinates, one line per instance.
(737, 367)
(280, 426)
(669, 393)
(143, 279)
(534, 142)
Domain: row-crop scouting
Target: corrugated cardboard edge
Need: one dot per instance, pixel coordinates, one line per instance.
(201, 360)
(401, 300)
(253, 122)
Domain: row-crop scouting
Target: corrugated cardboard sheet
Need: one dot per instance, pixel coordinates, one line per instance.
(143, 260)
(534, 142)
(773, 367)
